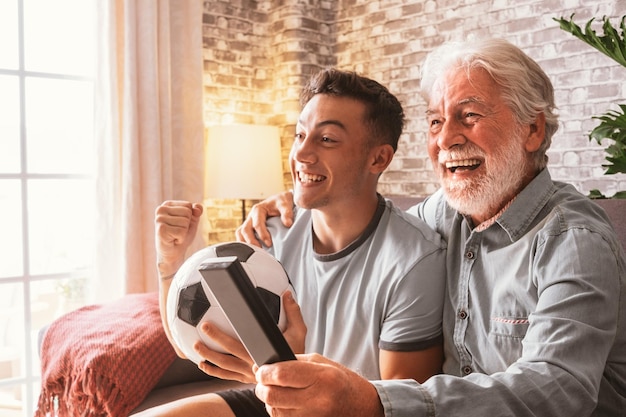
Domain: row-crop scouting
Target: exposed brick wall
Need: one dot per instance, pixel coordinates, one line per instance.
(259, 53)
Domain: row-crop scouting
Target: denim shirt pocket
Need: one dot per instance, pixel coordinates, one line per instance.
(514, 327)
(506, 334)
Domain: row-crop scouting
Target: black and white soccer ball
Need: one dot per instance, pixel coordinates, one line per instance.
(190, 303)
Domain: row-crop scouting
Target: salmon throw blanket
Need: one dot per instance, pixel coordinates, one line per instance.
(102, 360)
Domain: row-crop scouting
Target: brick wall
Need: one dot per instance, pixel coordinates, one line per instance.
(259, 53)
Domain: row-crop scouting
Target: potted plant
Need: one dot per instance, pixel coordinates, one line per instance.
(612, 125)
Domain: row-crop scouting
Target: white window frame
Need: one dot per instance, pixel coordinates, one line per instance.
(30, 378)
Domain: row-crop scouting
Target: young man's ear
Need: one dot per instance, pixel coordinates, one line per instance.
(536, 133)
(381, 158)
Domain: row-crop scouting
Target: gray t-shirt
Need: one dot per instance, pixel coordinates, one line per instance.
(385, 290)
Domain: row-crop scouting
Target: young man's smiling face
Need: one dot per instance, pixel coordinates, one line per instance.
(330, 153)
(478, 149)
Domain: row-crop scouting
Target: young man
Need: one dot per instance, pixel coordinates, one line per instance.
(535, 308)
(368, 278)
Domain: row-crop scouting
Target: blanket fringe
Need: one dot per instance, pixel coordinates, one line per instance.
(92, 395)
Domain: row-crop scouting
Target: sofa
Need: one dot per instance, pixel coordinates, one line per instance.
(171, 378)
(184, 379)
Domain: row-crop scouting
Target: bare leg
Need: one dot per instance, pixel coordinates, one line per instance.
(210, 405)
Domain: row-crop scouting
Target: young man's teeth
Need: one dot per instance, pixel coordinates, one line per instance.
(309, 177)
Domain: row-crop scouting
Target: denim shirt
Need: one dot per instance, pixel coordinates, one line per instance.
(534, 315)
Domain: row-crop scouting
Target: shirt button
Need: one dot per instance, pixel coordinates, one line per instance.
(462, 314)
(469, 255)
(467, 370)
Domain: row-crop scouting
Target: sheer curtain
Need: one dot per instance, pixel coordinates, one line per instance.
(149, 132)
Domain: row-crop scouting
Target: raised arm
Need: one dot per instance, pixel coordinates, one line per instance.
(176, 224)
(254, 229)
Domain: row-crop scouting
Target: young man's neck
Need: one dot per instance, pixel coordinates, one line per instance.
(336, 226)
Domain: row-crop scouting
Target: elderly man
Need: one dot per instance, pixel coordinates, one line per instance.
(535, 309)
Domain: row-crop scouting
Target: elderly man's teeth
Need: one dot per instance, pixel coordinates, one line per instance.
(465, 163)
(309, 177)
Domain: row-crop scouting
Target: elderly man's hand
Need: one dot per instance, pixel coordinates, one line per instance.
(314, 386)
(276, 205)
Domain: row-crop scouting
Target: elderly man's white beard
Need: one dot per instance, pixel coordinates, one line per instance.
(484, 196)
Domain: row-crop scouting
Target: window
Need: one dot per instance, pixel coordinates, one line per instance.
(46, 180)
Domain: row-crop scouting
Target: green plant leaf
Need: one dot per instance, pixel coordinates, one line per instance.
(596, 195)
(613, 123)
(610, 43)
(613, 127)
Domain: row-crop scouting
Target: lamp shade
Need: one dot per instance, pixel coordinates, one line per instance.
(243, 162)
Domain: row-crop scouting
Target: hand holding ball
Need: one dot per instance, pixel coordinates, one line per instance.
(190, 303)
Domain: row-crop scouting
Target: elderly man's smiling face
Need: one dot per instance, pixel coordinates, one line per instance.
(478, 149)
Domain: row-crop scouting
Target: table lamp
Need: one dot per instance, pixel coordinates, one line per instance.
(243, 162)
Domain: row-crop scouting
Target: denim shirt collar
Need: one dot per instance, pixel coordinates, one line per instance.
(525, 207)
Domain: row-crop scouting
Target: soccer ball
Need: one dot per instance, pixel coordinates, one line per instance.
(190, 303)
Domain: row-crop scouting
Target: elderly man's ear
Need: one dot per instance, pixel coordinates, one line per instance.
(536, 133)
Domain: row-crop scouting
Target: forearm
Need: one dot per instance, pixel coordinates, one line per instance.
(166, 270)
(404, 398)
(176, 223)
(165, 282)
(478, 395)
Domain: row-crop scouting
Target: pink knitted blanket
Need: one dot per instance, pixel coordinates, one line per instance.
(102, 360)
